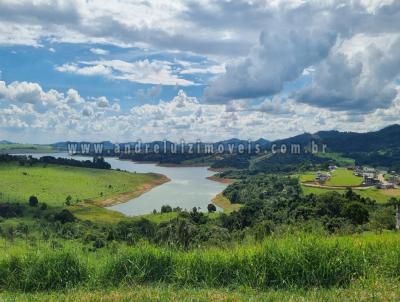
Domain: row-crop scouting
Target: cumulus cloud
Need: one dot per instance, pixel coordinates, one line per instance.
(308, 38)
(361, 81)
(68, 116)
(102, 102)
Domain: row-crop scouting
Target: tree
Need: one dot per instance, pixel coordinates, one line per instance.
(356, 212)
(211, 208)
(33, 201)
(166, 209)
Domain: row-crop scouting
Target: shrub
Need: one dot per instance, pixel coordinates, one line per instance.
(33, 201)
(64, 216)
(211, 208)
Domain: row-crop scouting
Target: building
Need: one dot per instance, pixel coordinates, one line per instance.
(370, 179)
(385, 185)
(322, 177)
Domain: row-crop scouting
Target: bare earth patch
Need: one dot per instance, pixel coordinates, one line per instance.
(124, 197)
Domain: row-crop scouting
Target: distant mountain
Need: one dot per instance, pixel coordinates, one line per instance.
(4, 142)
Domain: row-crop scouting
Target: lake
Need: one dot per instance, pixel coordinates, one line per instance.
(188, 188)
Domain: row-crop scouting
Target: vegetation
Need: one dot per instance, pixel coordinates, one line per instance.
(52, 184)
(344, 177)
(292, 262)
(22, 148)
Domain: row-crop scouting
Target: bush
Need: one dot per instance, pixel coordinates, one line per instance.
(33, 201)
(64, 216)
(9, 210)
(211, 208)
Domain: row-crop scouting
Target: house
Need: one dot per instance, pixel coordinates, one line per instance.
(358, 171)
(385, 185)
(322, 177)
(370, 179)
(394, 179)
(332, 168)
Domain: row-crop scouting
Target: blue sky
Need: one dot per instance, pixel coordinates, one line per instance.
(209, 70)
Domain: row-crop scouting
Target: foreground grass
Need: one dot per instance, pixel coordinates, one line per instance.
(364, 290)
(52, 184)
(291, 263)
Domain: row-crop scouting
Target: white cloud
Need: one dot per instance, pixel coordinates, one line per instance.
(102, 102)
(94, 70)
(144, 71)
(68, 116)
(99, 51)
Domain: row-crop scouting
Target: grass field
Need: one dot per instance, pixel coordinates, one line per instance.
(339, 177)
(381, 196)
(344, 177)
(52, 184)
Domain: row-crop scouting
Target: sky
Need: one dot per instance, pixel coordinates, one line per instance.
(124, 70)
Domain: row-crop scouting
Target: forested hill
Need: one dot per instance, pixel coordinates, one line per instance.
(347, 142)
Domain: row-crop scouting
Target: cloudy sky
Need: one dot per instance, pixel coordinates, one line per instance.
(121, 70)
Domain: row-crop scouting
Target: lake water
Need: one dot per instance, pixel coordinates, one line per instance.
(188, 188)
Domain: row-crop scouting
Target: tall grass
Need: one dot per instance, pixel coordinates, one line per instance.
(301, 262)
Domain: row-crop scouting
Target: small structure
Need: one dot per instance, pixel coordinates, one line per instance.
(332, 168)
(385, 185)
(322, 177)
(394, 179)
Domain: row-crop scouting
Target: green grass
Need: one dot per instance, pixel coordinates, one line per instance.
(344, 177)
(365, 290)
(96, 214)
(339, 177)
(224, 203)
(52, 184)
(375, 194)
(307, 176)
(299, 263)
(341, 160)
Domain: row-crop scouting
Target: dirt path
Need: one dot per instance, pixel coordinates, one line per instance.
(316, 185)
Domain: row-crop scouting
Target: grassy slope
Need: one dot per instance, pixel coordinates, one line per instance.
(341, 160)
(381, 196)
(52, 184)
(224, 203)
